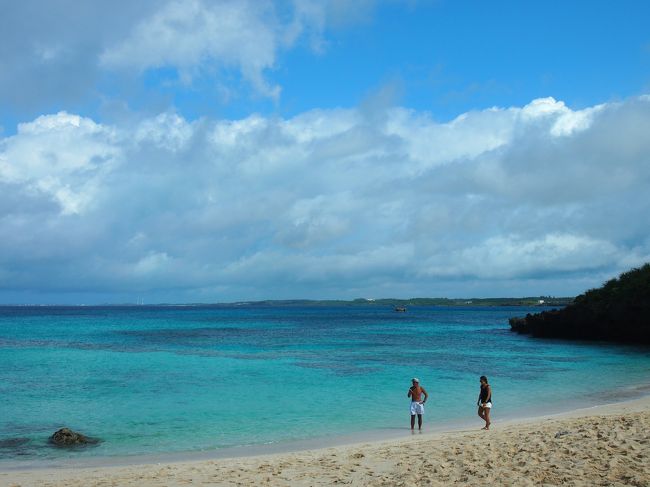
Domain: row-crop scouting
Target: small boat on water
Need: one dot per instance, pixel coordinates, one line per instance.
(400, 309)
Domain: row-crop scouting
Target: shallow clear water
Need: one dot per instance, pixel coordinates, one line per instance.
(166, 379)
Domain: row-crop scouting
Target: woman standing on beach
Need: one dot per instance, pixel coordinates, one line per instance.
(485, 402)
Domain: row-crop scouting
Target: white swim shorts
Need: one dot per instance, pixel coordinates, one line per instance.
(417, 408)
(488, 405)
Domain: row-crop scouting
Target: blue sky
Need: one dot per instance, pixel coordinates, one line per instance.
(195, 151)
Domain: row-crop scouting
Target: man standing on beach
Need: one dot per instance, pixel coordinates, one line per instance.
(416, 391)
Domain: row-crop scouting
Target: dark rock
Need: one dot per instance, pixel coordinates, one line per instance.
(518, 325)
(560, 434)
(66, 437)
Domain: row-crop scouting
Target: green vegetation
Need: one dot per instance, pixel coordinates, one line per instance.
(617, 311)
(527, 301)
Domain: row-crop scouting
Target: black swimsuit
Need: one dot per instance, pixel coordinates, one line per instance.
(484, 395)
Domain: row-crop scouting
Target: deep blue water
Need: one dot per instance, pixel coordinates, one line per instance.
(167, 379)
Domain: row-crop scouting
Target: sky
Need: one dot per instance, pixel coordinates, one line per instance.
(201, 151)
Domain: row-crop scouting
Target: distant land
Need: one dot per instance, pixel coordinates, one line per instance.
(619, 311)
(390, 302)
(527, 301)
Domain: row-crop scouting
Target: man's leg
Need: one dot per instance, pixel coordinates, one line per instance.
(412, 421)
(419, 421)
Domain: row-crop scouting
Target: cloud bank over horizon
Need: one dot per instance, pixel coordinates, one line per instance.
(373, 201)
(225, 150)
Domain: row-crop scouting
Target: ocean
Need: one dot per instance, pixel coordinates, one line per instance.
(151, 380)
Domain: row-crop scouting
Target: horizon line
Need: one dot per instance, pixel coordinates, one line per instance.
(366, 301)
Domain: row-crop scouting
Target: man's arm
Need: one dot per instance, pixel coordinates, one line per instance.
(408, 394)
(426, 396)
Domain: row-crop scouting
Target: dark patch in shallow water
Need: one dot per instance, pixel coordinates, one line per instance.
(172, 333)
(17, 447)
(11, 443)
(338, 369)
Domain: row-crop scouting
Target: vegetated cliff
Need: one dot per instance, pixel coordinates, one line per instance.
(618, 311)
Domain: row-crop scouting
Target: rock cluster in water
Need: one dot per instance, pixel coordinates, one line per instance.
(66, 437)
(618, 311)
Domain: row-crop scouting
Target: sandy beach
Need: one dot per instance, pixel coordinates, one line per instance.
(603, 445)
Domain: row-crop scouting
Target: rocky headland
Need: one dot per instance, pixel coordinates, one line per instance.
(619, 311)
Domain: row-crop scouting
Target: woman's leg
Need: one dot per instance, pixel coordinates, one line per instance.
(487, 418)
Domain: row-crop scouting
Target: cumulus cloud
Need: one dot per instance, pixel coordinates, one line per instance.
(62, 156)
(64, 54)
(192, 34)
(329, 203)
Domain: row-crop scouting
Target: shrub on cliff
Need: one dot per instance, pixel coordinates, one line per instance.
(617, 311)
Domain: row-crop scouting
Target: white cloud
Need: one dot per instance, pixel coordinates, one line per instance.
(152, 263)
(198, 37)
(63, 54)
(62, 156)
(191, 34)
(327, 203)
(514, 257)
(168, 131)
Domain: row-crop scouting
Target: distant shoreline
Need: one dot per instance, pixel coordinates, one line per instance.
(538, 301)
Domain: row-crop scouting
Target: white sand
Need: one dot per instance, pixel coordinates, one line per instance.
(605, 445)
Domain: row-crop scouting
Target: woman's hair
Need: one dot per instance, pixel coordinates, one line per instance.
(483, 378)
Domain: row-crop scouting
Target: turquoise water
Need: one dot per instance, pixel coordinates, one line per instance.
(148, 380)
